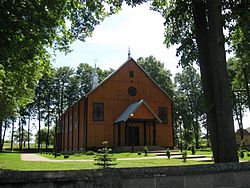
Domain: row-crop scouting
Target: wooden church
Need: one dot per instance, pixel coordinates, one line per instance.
(127, 108)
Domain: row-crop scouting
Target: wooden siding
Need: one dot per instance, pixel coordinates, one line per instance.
(114, 94)
(81, 125)
(75, 126)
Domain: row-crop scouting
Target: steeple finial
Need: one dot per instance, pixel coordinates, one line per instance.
(95, 78)
(129, 53)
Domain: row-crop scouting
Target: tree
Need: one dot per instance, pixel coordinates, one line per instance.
(103, 157)
(155, 69)
(43, 136)
(197, 25)
(25, 42)
(189, 101)
(239, 74)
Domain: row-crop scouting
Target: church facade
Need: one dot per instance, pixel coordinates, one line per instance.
(127, 108)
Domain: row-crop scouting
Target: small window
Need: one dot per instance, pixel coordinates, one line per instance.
(132, 91)
(131, 74)
(98, 111)
(163, 114)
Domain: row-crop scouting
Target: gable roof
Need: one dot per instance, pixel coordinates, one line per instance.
(131, 109)
(130, 59)
(245, 132)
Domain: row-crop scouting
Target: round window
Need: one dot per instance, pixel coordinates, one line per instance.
(132, 91)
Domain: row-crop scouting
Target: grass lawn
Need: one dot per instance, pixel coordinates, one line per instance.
(246, 157)
(12, 161)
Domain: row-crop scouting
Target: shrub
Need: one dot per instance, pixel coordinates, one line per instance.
(58, 154)
(168, 153)
(77, 154)
(145, 150)
(248, 154)
(184, 156)
(103, 157)
(90, 153)
(139, 152)
(242, 154)
(66, 156)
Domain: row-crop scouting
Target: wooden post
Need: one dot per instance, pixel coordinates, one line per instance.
(145, 134)
(119, 135)
(154, 133)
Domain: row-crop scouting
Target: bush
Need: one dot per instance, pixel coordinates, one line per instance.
(242, 154)
(77, 154)
(66, 156)
(184, 156)
(145, 150)
(90, 153)
(248, 154)
(139, 152)
(168, 153)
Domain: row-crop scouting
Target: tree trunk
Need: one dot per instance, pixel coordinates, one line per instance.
(214, 81)
(29, 133)
(4, 132)
(22, 135)
(48, 109)
(19, 134)
(1, 126)
(12, 134)
(39, 122)
(222, 92)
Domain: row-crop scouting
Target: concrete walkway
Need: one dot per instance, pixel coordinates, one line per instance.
(35, 157)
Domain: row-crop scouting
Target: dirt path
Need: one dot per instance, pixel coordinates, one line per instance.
(35, 157)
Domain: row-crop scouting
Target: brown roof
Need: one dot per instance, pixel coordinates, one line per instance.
(245, 132)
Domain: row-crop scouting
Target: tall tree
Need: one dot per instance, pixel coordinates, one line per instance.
(189, 95)
(198, 26)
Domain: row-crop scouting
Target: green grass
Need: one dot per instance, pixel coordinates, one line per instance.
(12, 161)
(246, 158)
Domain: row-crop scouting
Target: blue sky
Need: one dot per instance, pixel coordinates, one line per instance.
(138, 28)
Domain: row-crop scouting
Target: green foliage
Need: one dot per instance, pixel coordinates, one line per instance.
(66, 156)
(26, 43)
(139, 152)
(103, 157)
(90, 153)
(189, 103)
(168, 153)
(43, 134)
(184, 156)
(241, 154)
(145, 150)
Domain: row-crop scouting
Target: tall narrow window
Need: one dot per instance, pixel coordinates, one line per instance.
(163, 114)
(98, 111)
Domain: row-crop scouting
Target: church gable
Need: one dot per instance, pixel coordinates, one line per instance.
(126, 81)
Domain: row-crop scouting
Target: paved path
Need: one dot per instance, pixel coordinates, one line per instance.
(35, 157)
